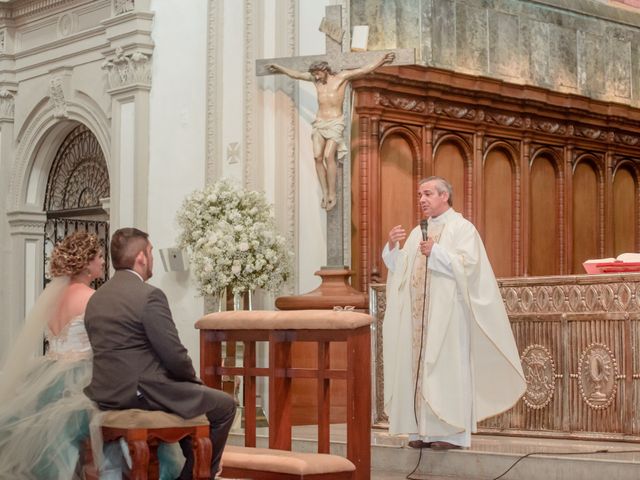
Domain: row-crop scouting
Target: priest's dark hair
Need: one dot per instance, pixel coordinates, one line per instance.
(126, 244)
(442, 186)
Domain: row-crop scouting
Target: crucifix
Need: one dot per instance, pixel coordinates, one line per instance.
(331, 74)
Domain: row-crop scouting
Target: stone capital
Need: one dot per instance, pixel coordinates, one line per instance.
(128, 69)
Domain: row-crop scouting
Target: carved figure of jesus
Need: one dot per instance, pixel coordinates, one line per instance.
(328, 127)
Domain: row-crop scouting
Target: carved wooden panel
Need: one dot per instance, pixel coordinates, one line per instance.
(586, 205)
(457, 125)
(398, 170)
(499, 206)
(624, 210)
(449, 162)
(544, 257)
(577, 337)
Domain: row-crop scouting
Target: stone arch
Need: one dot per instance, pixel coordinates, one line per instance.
(38, 142)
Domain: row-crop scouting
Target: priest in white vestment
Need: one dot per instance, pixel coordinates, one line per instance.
(450, 359)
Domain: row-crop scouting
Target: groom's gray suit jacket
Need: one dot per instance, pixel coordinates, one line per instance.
(136, 349)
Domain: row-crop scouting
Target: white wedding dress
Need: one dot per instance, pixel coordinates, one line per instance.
(45, 417)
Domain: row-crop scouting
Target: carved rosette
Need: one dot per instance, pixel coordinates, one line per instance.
(540, 374)
(128, 69)
(597, 376)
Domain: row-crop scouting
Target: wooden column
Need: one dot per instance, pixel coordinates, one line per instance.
(525, 191)
(568, 208)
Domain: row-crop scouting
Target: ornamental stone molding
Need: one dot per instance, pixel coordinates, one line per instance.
(56, 97)
(123, 6)
(29, 223)
(127, 69)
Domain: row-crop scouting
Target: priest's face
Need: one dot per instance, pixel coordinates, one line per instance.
(432, 203)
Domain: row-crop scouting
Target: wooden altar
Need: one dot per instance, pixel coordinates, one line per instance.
(550, 179)
(578, 341)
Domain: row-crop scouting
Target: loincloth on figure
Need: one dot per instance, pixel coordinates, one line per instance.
(332, 130)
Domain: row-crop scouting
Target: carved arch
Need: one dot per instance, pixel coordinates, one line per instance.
(624, 207)
(466, 150)
(509, 222)
(414, 144)
(551, 154)
(460, 141)
(40, 137)
(629, 164)
(586, 243)
(594, 160)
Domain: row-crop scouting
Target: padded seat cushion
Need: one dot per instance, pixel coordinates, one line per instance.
(135, 418)
(282, 461)
(284, 320)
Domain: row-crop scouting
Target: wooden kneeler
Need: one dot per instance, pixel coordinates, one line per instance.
(143, 430)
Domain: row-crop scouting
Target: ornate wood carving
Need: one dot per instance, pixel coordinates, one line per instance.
(577, 337)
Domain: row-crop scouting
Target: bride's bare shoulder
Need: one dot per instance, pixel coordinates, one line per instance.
(73, 304)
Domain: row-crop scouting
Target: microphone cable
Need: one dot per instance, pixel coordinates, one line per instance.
(415, 391)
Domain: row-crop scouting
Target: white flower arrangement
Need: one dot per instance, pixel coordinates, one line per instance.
(231, 239)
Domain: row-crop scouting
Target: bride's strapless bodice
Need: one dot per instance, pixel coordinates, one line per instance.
(72, 342)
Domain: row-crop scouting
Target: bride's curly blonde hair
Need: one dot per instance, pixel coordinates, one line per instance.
(73, 254)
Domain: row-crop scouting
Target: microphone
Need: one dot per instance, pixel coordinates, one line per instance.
(423, 226)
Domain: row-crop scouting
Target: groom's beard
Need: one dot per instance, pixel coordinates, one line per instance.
(149, 267)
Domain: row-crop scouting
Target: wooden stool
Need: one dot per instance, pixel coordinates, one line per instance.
(143, 430)
(271, 464)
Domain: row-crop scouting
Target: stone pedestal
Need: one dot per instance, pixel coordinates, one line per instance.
(334, 290)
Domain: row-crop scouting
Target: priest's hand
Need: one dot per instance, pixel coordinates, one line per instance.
(396, 234)
(426, 246)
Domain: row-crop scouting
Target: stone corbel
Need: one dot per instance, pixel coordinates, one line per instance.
(128, 69)
(57, 98)
(7, 104)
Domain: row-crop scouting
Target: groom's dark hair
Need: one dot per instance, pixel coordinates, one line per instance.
(126, 244)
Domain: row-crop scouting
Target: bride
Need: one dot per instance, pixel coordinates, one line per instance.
(44, 415)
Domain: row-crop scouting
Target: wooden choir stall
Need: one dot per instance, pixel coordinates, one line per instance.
(550, 180)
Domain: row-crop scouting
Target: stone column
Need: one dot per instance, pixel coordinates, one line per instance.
(7, 95)
(26, 263)
(128, 69)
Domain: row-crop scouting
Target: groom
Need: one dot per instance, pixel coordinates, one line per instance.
(138, 359)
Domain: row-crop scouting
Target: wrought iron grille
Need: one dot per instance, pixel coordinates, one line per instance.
(79, 176)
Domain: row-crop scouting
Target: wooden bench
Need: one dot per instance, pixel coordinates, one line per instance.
(280, 329)
(143, 430)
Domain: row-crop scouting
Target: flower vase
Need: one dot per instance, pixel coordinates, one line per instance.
(221, 296)
(239, 300)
